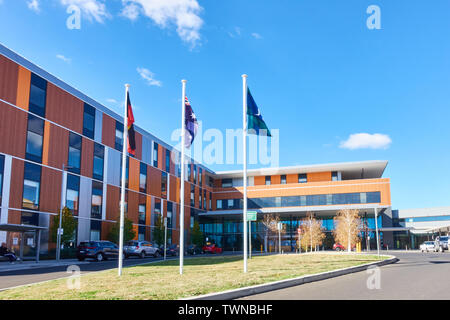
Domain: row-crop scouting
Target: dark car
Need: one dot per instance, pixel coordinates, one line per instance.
(172, 250)
(194, 250)
(98, 250)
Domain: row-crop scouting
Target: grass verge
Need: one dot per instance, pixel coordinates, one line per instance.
(162, 281)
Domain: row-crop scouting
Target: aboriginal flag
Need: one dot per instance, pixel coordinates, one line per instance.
(130, 121)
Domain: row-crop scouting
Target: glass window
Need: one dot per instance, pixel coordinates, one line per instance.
(99, 153)
(227, 183)
(168, 160)
(163, 184)
(2, 168)
(74, 161)
(200, 200)
(35, 138)
(38, 95)
(302, 178)
(192, 195)
(219, 204)
(141, 214)
(72, 193)
(143, 178)
(268, 180)
(89, 121)
(334, 176)
(195, 174)
(119, 137)
(283, 179)
(31, 186)
(200, 176)
(204, 199)
(97, 199)
(210, 200)
(155, 154)
(189, 172)
(96, 230)
(156, 211)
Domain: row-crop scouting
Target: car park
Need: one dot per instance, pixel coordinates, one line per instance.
(427, 246)
(141, 249)
(98, 250)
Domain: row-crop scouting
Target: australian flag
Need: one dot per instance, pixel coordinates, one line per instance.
(191, 124)
(255, 120)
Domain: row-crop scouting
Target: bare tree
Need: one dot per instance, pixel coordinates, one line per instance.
(347, 227)
(270, 222)
(311, 232)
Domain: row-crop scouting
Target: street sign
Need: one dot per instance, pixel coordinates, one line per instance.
(251, 215)
(279, 226)
(165, 222)
(60, 231)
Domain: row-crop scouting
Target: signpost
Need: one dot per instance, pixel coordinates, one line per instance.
(279, 227)
(251, 216)
(165, 237)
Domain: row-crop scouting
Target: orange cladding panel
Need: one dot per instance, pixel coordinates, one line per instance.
(133, 175)
(87, 157)
(8, 79)
(319, 176)
(23, 88)
(13, 130)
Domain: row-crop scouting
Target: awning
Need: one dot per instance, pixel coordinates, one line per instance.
(20, 227)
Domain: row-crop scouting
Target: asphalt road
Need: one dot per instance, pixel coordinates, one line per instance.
(415, 276)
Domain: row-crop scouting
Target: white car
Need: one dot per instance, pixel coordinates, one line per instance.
(427, 246)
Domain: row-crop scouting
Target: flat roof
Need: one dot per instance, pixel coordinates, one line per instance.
(350, 170)
(424, 212)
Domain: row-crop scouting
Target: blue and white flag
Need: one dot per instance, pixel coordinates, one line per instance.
(255, 119)
(191, 124)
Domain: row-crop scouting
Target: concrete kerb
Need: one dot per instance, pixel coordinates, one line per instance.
(266, 287)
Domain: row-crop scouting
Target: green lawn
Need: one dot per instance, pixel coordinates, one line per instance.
(162, 280)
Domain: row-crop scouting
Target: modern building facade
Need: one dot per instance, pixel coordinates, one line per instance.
(58, 147)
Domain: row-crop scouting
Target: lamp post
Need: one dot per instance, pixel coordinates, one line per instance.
(58, 241)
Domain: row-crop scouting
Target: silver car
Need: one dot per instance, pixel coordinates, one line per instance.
(141, 249)
(427, 246)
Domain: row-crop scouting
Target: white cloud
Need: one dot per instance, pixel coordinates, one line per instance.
(34, 5)
(184, 14)
(256, 35)
(110, 100)
(148, 76)
(63, 58)
(93, 9)
(367, 141)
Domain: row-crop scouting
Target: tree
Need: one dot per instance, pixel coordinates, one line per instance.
(197, 235)
(158, 231)
(270, 222)
(347, 227)
(69, 226)
(128, 231)
(312, 234)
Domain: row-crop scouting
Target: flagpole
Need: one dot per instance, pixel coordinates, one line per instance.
(183, 138)
(122, 189)
(244, 140)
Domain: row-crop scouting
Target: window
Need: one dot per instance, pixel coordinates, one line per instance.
(155, 155)
(163, 184)
(227, 183)
(200, 179)
(169, 222)
(200, 200)
(31, 186)
(334, 176)
(157, 211)
(192, 195)
(283, 179)
(88, 121)
(302, 178)
(195, 174)
(35, 138)
(141, 214)
(219, 204)
(168, 160)
(268, 180)
(2, 168)
(189, 172)
(119, 137)
(210, 201)
(204, 199)
(72, 193)
(74, 161)
(38, 95)
(97, 199)
(143, 178)
(99, 154)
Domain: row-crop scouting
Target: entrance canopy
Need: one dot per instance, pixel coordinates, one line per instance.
(22, 228)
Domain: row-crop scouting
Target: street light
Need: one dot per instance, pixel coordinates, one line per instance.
(58, 241)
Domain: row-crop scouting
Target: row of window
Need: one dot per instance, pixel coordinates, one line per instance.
(298, 201)
(201, 198)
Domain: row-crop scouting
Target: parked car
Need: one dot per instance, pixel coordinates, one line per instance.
(194, 249)
(98, 250)
(340, 247)
(441, 243)
(427, 246)
(211, 248)
(172, 250)
(141, 249)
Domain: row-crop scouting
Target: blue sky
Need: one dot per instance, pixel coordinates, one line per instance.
(316, 71)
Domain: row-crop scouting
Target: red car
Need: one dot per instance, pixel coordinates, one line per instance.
(340, 247)
(211, 248)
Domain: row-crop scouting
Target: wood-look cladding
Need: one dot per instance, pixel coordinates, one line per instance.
(133, 206)
(108, 131)
(58, 150)
(8, 79)
(173, 188)
(13, 131)
(87, 157)
(133, 174)
(138, 138)
(161, 157)
(112, 203)
(64, 109)
(319, 176)
(154, 181)
(50, 196)
(23, 88)
(16, 190)
(46, 143)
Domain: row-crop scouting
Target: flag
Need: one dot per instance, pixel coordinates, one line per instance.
(130, 121)
(191, 124)
(255, 120)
